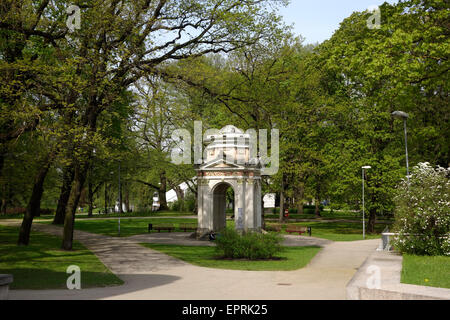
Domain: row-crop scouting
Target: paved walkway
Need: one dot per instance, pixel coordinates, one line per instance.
(149, 274)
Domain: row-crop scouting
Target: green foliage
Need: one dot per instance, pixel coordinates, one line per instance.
(307, 209)
(176, 205)
(189, 202)
(422, 212)
(252, 245)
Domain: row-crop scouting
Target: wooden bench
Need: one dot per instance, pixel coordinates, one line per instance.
(164, 226)
(298, 229)
(188, 227)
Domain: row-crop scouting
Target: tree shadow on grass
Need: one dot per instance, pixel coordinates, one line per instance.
(94, 285)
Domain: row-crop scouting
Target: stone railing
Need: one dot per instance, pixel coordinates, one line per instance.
(5, 280)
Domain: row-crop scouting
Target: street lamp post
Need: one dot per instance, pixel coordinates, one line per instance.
(403, 115)
(120, 193)
(364, 223)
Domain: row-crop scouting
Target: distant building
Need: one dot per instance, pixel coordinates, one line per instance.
(269, 200)
(155, 204)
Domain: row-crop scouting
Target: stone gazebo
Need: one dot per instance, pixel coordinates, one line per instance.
(228, 164)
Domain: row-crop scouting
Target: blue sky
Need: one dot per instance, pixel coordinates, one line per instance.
(316, 20)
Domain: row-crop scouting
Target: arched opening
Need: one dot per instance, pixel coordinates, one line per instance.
(223, 199)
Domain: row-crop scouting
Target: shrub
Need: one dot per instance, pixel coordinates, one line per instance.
(17, 210)
(46, 211)
(175, 206)
(252, 245)
(307, 209)
(422, 216)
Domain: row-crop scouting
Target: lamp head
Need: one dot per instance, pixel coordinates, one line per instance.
(400, 115)
(366, 167)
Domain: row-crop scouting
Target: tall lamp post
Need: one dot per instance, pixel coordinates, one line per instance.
(404, 116)
(120, 193)
(364, 223)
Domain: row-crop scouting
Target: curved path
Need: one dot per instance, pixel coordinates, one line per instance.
(149, 274)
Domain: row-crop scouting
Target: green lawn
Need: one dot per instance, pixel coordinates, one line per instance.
(292, 258)
(337, 231)
(326, 215)
(20, 216)
(42, 265)
(128, 226)
(149, 214)
(426, 271)
(340, 231)
(96, 215)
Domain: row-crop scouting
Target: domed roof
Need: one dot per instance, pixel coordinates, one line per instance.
(230, 129)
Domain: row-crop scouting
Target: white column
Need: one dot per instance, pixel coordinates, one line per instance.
(200, 203)
(208, 199)
(240, 205)
(249, 205)
(257, 205)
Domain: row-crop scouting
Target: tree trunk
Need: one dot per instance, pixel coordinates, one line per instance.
(90, 199)
(180, 197)
(317, 209)
(34, 205)
(317, 202)
(4, 198)
(68, 176)
(299, 207)
(120, 194)
(75, 193)
(300, 195)
(2, 159)
(106, 197)
(162, 191)
(127, 198)
(372, 220)
(196, 203)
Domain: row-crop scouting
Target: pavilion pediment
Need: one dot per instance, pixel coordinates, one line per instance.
(221, 164)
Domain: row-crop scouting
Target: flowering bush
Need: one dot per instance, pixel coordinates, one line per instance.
(422, 214)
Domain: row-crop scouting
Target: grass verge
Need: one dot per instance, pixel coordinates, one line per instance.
(431, 271)
(338, 231)
(335, 231)
(42, 265)
(292, 258)
(97, 215)
(128, 226)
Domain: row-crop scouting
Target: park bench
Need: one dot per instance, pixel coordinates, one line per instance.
(188, 227)
(298, 229)
(164, 226)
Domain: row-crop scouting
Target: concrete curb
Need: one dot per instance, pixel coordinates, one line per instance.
(388, 266)
(5, 281)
